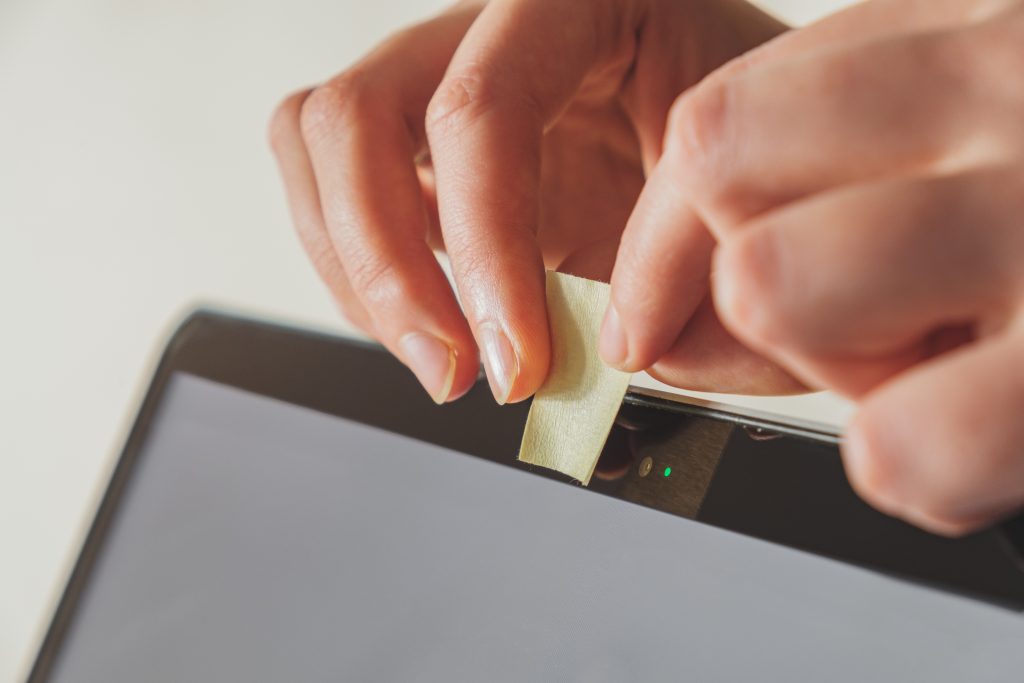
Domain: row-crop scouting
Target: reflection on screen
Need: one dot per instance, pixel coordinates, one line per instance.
(260, 541)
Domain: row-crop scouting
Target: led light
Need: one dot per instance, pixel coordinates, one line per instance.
(646, 465)
(668, 471)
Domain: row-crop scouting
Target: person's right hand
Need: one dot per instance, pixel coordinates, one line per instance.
(864, 177)
(514, 135)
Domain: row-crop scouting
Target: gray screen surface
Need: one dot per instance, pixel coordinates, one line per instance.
(260, 541)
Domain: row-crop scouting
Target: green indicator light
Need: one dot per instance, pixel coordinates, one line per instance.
(668, 471)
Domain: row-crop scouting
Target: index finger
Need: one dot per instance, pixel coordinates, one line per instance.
(816, 109)
(516, 70)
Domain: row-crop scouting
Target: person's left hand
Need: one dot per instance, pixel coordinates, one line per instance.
(513, 135)
(867, 193)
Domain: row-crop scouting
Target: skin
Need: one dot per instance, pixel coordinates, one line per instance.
(435, 141)
(874, 249)
(833, 207)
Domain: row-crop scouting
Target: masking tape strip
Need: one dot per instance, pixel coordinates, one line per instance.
(573, 412)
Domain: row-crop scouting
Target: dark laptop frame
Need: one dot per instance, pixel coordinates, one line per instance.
(776, 480)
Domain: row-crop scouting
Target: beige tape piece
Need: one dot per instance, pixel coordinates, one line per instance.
(573, 412)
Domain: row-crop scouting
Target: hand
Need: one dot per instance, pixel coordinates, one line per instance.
(865, 180)
(515, 135)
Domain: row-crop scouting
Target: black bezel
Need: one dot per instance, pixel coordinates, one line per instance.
(789, 489)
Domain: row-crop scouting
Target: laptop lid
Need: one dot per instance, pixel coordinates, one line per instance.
(290, 506)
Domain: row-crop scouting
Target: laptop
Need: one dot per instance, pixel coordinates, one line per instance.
(290, 506)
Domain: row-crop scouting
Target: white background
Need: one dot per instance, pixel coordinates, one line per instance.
(135, 182)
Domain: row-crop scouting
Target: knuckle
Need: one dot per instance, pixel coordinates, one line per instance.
(990, 47)
(458, 100)
(321, 255)
(343, 102)
(954, 61)
(373, 277)
(384, 279)
(475, 265)
(283, 129)
(507, 253)
(466, 96)
(697, 132)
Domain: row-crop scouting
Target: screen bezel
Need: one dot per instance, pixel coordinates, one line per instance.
(359, 381)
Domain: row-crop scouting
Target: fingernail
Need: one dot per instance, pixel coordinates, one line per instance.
(612, 346)
(432, 361)
(500, 361)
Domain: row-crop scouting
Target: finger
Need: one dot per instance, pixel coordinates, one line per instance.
(929, 449)
(362, 151)
(649, 92)
(485, 125)
(847, 287)
(666, 63)
(660, 277)
(706, 357)
(875, 20)
(304, 205)
(644, 320)
(738, 148)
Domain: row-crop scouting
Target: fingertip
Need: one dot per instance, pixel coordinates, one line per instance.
(629, 343)
(944, 527)
(505, 303)
(625, 336)
(596, 263)
(283, 125)
(660, 275)
(437, 363)
(869, 470)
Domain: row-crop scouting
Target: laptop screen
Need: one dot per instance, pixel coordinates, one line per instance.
(262, 541)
